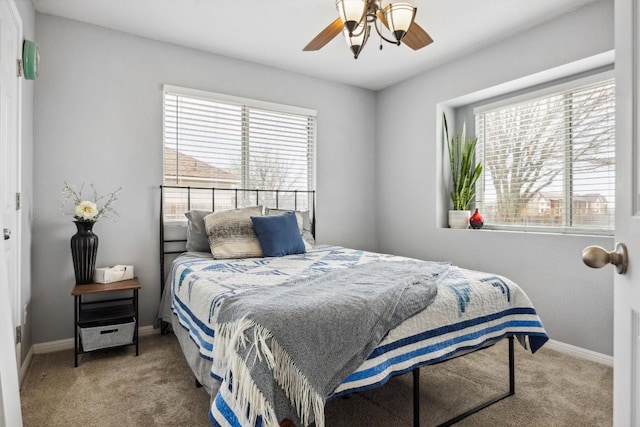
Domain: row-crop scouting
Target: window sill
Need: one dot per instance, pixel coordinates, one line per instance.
(536, 231)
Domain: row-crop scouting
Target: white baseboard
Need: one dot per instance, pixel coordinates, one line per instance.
(143, 331)
(581, 353)
(25, 365)
(66, 344)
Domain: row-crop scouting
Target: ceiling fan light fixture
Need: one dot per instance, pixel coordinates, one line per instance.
(400, 17)
(393, 23)
(351, 13)
(358, 39)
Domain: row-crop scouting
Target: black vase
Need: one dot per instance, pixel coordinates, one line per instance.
(84, 247)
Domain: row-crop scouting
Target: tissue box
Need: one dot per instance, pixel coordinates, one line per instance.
(113, 274)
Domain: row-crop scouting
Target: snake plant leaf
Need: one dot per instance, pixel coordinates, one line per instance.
(464, 171)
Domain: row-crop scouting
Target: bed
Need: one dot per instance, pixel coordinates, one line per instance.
(466, 311)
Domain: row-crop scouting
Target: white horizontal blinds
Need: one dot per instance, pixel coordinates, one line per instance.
(217, 141)
(280, 153)
(204, 133)
(550, 162)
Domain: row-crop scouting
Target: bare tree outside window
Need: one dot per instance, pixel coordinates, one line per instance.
(270, 171)
(549, 162)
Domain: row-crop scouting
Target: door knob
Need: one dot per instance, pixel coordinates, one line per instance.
(7, 233)
(597, 257)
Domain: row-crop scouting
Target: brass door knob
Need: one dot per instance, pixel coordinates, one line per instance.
(597, 257)
(7, 233)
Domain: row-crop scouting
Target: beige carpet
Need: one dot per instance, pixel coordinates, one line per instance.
(115, 388)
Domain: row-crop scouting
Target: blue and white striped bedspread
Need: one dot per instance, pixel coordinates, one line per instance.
(470, 310)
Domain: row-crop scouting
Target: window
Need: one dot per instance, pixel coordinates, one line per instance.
(549, 160)
(213, 140)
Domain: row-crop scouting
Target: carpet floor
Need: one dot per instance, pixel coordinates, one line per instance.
(115, 388)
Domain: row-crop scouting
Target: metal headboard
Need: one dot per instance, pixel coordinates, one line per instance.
(237, 195)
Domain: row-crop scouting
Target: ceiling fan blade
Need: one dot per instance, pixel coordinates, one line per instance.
(382, 17)
(417, 38)
(325, 36)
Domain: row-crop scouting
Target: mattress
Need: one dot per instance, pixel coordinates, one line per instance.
(471, 310)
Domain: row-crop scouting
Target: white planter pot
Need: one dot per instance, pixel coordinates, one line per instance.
(459, 219)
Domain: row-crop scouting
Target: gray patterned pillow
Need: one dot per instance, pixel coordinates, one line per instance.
(231, 233)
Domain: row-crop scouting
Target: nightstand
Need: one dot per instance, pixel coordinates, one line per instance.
(105, 323)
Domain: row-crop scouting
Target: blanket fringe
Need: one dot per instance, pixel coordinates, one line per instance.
(246, 397)
(309, 404)
(296, 386)
(243, 396)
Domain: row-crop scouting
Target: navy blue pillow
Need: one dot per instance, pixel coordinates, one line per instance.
(279, 235)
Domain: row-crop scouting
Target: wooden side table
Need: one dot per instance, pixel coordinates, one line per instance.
(104, 315)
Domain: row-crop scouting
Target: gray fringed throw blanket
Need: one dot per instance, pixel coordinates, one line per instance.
(309, 334)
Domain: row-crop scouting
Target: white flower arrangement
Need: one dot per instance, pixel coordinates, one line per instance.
(87, 210)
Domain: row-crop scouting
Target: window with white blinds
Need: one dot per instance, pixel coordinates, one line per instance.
(213, 140)
(549, 161)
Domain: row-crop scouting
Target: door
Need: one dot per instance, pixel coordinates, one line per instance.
(10, 410)
(626, 300)
(10, 35)
(626, 337)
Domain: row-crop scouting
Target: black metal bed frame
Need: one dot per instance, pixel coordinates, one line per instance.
(235, 192)
(415, 371)
(477, 408)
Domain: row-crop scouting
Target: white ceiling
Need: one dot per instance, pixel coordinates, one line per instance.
(274, 32)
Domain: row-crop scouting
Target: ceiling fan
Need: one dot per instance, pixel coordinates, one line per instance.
(358, 16)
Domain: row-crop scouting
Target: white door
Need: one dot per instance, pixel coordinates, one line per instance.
(10, 35)
(626, 318)
(10, 410)
(626, 347)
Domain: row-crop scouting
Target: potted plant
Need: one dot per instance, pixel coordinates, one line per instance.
(464, 174)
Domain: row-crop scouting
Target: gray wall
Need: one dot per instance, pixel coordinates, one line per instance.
(98, 119)
(574, 302)
(27, 13)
